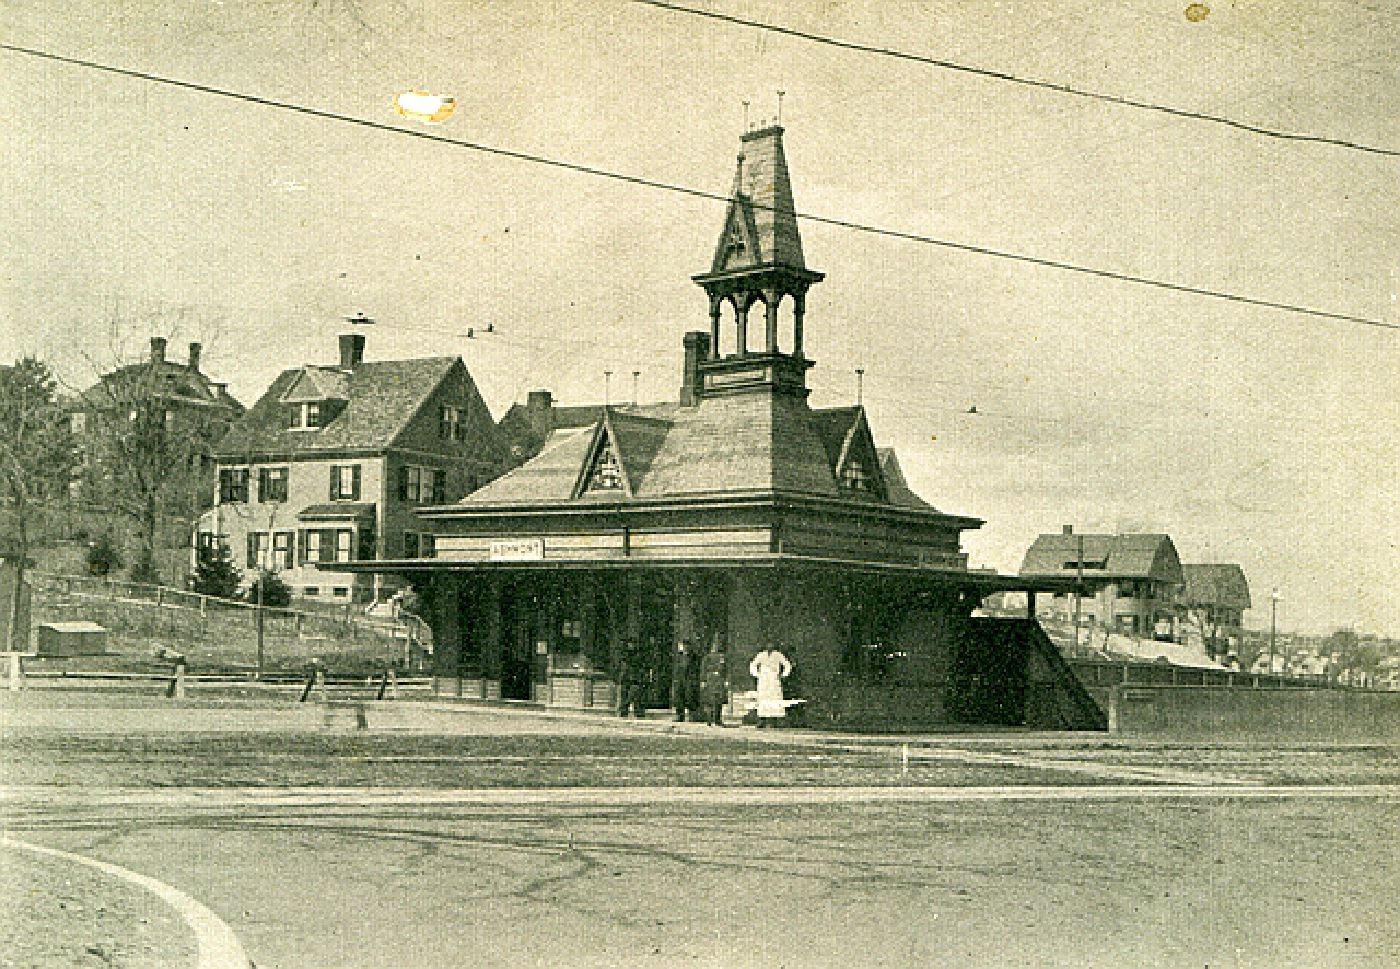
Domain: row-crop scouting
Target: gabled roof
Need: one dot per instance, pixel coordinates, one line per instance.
(549, 477)
(1222, 584)
(739, 443)
(318, 383)
(381, 396)
(897, 489)
(180, 384)
(1140, 556)
(761, 213)
(517, 433)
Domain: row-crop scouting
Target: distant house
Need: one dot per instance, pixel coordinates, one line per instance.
(1131, 583)
(1215, 597)
(332, 462)
(182, 395)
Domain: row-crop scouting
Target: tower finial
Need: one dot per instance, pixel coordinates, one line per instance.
(860, 386)
(607, 387)
(780, 107)
(746, 116)
(636, 375)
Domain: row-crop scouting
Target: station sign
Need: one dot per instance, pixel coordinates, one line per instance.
(517, 550)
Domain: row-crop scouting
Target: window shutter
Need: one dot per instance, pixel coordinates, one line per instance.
(252, 550)
(403, 483)
(335, 479)
(355, 486)
(439, 486)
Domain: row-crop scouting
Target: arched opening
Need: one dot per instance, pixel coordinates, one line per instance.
(790, 324)
(727, 344)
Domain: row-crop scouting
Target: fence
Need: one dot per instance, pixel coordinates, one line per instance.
(224, 634)
(1106, 673)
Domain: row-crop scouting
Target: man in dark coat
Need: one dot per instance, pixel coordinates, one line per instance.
(714, 685)
(631, 681)
(685, 668)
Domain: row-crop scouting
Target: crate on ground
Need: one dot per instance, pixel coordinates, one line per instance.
(79, 637)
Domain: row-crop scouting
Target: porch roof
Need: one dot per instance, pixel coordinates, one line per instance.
(986, 582)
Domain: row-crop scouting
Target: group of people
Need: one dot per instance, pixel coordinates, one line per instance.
(700, 684)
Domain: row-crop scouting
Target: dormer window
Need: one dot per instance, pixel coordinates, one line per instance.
(306, 415)
(607, 473)
(855, 477)
(735, 245)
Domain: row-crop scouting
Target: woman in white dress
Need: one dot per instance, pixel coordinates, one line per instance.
(770, 667)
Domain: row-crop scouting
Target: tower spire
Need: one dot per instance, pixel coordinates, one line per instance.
(759, 261)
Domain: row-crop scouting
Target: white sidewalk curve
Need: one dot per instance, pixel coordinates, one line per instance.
(216, 945)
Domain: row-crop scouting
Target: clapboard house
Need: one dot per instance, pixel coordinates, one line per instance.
(737, 514)
(334, 461)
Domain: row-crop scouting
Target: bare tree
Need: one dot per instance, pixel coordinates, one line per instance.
(36, 457)
(148, 441)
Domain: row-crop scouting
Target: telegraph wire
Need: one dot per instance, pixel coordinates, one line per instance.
(994, 74)
(544, 160)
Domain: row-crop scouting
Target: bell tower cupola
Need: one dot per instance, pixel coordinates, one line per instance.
(758, 263)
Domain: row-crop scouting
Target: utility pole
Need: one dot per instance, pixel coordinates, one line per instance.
(1078, 585)
(1273, 626)
(258, 619)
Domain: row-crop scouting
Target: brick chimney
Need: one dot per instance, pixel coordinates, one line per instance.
(158, 349)
(194, 356)
(352, 350)
(539, 411)
(697, 348)
(1066, 529)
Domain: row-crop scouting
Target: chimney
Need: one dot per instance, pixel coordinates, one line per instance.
(157, 349)
(697, 348)
(194, 356)
(539, 411)
(1066, 529)
(352, 350)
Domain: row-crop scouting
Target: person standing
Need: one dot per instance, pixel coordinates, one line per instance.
(631, 681)
(770, 667)
(714, 684)
(685, 664)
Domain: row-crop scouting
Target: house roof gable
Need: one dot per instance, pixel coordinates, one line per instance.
(381, 397)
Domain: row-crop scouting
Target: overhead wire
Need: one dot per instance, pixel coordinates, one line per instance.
(1056, 86)
(967, 247)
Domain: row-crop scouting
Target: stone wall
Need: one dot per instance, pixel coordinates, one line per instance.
(1225, 713)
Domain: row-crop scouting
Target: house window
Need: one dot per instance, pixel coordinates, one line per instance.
(422, 484)
(77, 422)
(306, 415)
(607, 473)
(257, 549)
(327, 545)
(345, 482)
(418, 545)
(340, 592)
(1075, 564)
(272, 484)
(450, 425)
(282, 550)
(854, 477)
(233, 485)
(311, 590)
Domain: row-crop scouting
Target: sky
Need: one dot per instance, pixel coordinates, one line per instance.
(1250, 435)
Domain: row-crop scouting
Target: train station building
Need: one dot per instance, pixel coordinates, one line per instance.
(737, 514)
